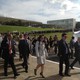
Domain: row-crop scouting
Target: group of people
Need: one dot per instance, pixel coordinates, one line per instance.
(40, 46)
(64, 54)
(24, 47)
(51, 43)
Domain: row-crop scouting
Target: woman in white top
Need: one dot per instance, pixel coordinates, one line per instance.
(41, 54)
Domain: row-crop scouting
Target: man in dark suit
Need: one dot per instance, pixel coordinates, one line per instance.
(77, 53)
(24, 51)
(72, 47)
(7, 48)
(63, 55)
(0, 44)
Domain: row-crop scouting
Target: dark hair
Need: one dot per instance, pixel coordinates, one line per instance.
(25, 34)
(72, 37)
(39, 37)
(63, 34)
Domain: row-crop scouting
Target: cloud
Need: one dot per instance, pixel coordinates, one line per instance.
(40, 10)
(68, 5)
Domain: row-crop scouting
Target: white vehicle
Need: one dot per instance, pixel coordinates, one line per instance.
(76, 35)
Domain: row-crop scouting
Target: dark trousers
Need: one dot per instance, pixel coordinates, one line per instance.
(64, 59)
(25, 62)
(34, 51)
(71, 55)
(75, 60)
(0, 51)
(55, 49)
(9, 61)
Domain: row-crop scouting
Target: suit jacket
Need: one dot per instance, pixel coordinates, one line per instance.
(77, 50)
(5, 48)
(24, 49)
(71, 44)
(40, 49)
(62, 48)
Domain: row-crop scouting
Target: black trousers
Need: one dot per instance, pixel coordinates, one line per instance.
(55, 49)
(77, 59)
(25, 62)
(64, 59)
(9, 60)
(71, 55)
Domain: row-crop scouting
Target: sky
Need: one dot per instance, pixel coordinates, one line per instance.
(40, 10)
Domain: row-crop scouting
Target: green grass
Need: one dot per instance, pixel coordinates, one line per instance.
(28, 29)
(22, 29)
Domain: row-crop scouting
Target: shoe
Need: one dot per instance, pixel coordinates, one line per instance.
(67, 75)
(71, 67)
(61, 74)
(26, 71)
(5, 75)
(42, 75)
(35, 72)
(15, 76)
(72, 58)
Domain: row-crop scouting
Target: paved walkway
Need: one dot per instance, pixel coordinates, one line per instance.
(50, 72)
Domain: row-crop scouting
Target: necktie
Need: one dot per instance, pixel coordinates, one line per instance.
(10, 48)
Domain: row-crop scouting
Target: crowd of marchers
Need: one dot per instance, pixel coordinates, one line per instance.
(39, 46)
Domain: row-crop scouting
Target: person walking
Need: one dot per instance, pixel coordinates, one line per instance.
(24, 51)
(55, 44)
(72, 47)
(20, 42)
(41, 54)
(34, 39)
(63, 54)
(77, 53)
(7, 48)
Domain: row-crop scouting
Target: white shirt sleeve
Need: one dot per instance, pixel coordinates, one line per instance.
(37, 49)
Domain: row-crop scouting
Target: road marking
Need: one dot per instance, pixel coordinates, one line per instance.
(55, 62)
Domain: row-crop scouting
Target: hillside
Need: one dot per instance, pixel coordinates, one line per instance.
(17, 22)
(4, 19)
(22, 28)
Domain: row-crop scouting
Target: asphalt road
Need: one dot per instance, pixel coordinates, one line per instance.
(55, 58)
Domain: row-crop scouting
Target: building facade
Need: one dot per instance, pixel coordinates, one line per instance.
(64, 23)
